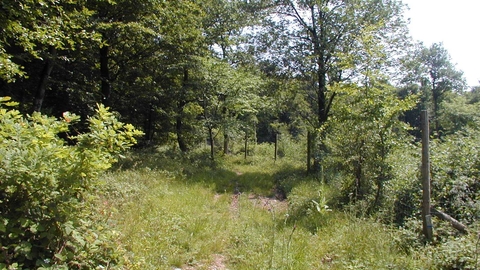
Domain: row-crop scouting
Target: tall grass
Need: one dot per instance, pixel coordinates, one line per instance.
(174, 213)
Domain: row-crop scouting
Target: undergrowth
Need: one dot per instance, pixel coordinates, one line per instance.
(179, 212)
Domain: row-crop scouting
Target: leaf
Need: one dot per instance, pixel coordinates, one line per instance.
(60, 257)
(317, 206)
(68, 227)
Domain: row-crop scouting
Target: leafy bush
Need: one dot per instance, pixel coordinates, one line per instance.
(457, 253)
(455, 174)
(46, 185)
(363, 136)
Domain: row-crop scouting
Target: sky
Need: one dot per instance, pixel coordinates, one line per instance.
(454, 23)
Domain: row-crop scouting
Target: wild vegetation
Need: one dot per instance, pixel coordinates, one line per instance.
(271, 134)
(180, 212)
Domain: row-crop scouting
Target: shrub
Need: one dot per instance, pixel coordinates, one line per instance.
(455, 175)
(308, 206)
(46, 185)
(457, 253)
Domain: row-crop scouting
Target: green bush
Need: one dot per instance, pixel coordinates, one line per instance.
(457, 253)
(455, 173)
(46, 186)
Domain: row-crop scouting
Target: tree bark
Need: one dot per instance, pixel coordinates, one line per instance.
(105, 75)
(359, 179)
(319, 41)
(455, 223)
(276, 147)
(359, 192)
(226, 140)
(42, 85)
(179, 120)
(426, 213)
(149, 124)
(212, 147)
(309, 152)
(435, 114)
(246, 144)
(180, 139)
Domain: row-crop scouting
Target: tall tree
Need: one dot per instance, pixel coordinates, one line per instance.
(183, 45)
(318, 40)
(365, 132)
(118, 22)
(145, 62)
(441, 77)
(225, 25)
(429, 72)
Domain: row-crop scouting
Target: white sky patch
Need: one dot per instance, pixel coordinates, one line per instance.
(454, 23)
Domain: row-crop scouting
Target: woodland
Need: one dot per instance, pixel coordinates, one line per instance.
(230, 134)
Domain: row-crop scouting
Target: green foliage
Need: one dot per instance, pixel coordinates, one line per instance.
(458, 113)
(431, 74)
(455, 174)
(366, 132)
(308, 206)
(456, 253)
(35, 25)
(46, 186)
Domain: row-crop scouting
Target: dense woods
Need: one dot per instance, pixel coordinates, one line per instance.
(341, 80)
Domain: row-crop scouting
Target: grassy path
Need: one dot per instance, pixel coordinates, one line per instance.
(221, 219)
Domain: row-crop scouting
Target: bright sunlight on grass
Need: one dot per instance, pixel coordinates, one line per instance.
(171, 215)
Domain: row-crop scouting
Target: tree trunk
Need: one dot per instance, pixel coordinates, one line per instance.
(105, 75)
(246, 144)
(378, 195)
(323, 105)
(435, 114)
(181, 104)
(455, 223)
(359, 193)
(42, 85)
(180, 139)
(226, 140)
(149, 124)
(426, 181)
(358, 180)
(276, 147)
(212, 147)
(309, 152)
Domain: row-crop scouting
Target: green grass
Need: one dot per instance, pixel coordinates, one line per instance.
(172, 215)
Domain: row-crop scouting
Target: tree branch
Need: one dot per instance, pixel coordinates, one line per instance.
(455, 223)
(330, 101)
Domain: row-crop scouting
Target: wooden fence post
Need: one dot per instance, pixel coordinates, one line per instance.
(427, 218)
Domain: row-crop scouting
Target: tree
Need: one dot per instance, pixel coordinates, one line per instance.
(367, 129)
(442, 77)
(319, 42)
(35, 35)
(145, 63)
(430, 72)
(459, 113)
(365, 132)
(229, 98)
(119, 23)
(226, 26)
